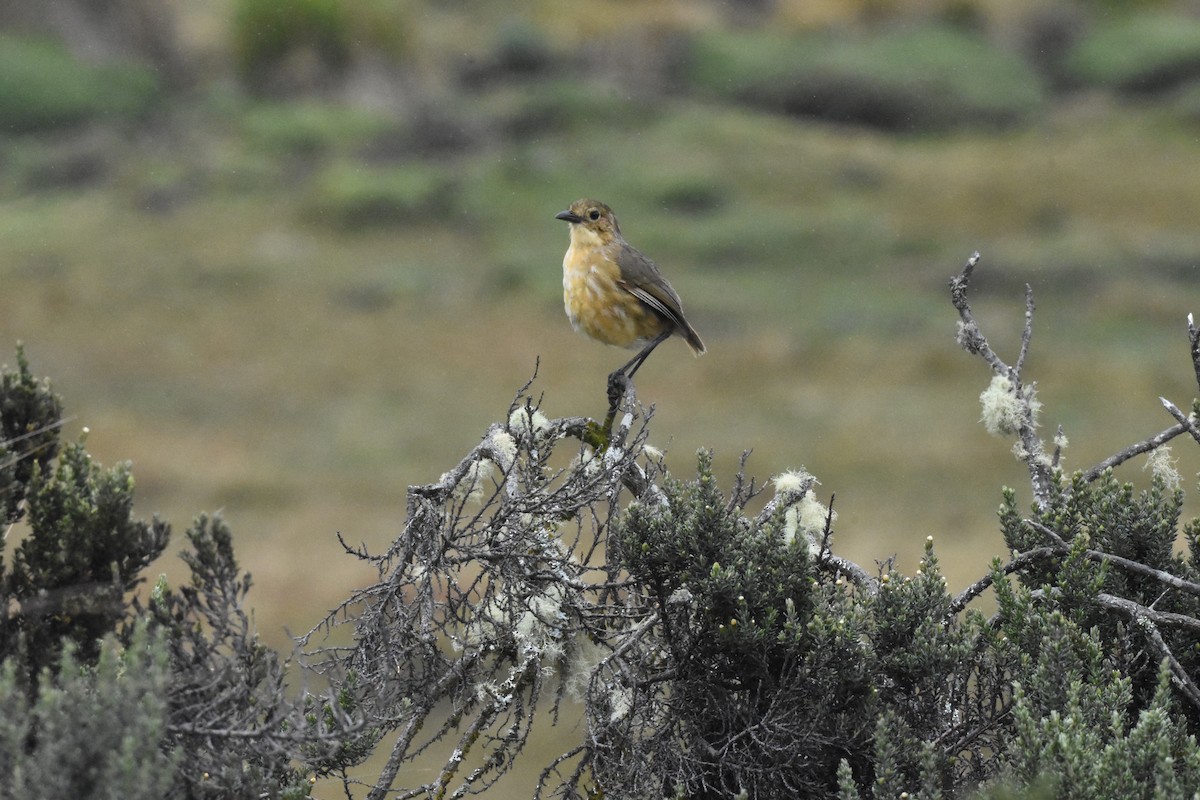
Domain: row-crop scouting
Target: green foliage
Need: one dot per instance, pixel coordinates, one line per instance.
(1138, 52)
(43, 87)
(907, 79)
(1101, 521)
(207, 632)
(354, 197)
(95, 727)
(30, 414)
(266, 31)
(781, 667)
(308, 128)
(318, 34)
(1061, 694)
(1097, 747)
(84, 550)
(101, 696)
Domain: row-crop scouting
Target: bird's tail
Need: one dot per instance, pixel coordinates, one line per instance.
(693, 339)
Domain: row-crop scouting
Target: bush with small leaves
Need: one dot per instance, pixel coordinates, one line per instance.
(94, 729)
(104, 696)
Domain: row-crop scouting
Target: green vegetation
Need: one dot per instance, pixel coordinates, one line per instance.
(307, 128)
(104, 695)
(97, 725)
(43, 87)
(354, 196)
(908, 79)
(1139, 52)
(265, 33)
(721, 646)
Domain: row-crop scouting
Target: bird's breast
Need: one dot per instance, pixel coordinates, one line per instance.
(598, 305)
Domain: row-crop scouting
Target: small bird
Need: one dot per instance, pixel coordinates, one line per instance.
(615, 294)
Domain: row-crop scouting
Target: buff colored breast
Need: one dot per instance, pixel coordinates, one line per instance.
(597, 305)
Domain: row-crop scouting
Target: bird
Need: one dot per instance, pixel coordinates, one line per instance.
(614, 293)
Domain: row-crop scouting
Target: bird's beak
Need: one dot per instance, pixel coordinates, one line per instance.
(568, 216)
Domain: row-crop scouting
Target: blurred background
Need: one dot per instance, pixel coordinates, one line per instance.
(291, 257)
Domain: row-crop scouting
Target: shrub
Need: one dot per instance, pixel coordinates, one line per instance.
(351, 197)
(102, 696)
(720, 652)
(309, 128)
(914, 79)
(93, 731)
(1138, 52)
(265, 32)
(718, 645)
(43, 87)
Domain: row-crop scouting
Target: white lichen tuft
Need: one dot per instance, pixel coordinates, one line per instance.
(539, 630)
(482, 630)
(470, 487)
(1004, 411)
(620, 702)
(791, 525)
(792, 481)
(960, 333)
(527, 423)
(814, 515)
(805, 515)
(1162, 466)
(504, 444)
(588, 462)
(651, 452)
(585, 657)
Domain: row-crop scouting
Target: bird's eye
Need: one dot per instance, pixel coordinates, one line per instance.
(594, 214)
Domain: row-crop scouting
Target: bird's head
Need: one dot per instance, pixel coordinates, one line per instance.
(591, 216)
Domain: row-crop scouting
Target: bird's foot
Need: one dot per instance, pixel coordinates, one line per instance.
(618, 384)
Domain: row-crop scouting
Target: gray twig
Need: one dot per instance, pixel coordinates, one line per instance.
(971, 338)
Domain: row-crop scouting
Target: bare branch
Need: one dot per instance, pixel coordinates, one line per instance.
(1194, 339)
(501, 575)
(1137, 610)
(1130, 565)
(1018, 562)
(1187, 423)
(1032, 451)
(1145, 446)
(1027, 333)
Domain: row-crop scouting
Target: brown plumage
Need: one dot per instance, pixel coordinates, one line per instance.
(614, 293)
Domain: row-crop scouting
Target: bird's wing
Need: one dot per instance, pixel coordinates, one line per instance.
(641, 278)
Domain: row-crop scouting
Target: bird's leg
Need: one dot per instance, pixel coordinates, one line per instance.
(635, 363)
(618, 380)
